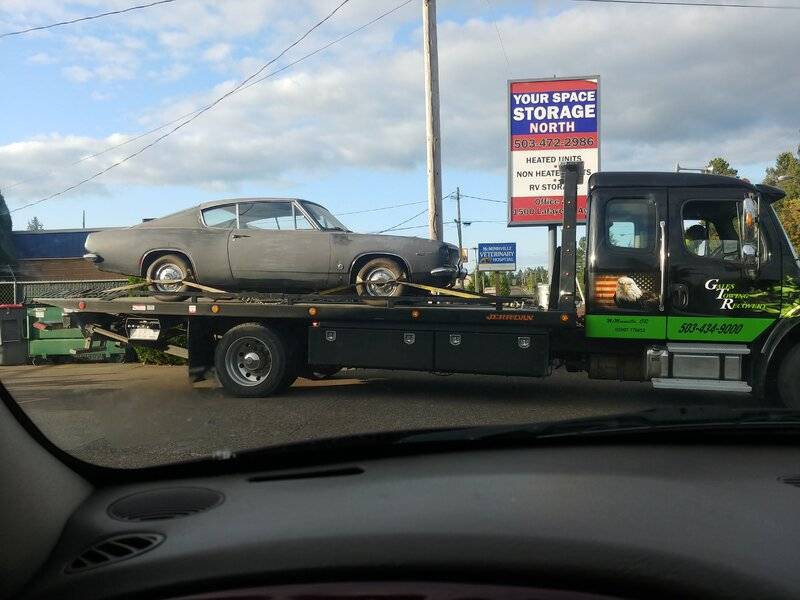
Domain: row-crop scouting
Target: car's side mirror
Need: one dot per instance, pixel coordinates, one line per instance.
(750, 238)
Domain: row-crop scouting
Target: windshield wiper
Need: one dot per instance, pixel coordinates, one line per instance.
(699, 418)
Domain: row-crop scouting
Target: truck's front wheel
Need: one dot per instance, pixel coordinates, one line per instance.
(789, 380)
(253, 361)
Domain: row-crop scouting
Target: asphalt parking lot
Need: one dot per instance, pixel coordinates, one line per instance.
(133, 415)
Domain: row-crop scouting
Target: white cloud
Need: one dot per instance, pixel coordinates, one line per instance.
(684, 93)
(217, 53)
(77, 74)
(41, 58)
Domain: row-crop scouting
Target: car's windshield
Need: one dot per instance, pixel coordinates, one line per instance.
(177, 282)
(324, 217)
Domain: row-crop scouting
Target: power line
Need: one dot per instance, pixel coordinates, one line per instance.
(484, 199)
(89, 18)
(197, 112)
(206, 108)
(701, 4)
(358, 212)
(499, 37)
(395, 227)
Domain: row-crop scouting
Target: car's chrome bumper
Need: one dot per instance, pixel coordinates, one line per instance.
(458, 272)
(92, 257)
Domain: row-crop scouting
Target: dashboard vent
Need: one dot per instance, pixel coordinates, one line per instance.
(791, 480)
(166, 503)
(114, 549)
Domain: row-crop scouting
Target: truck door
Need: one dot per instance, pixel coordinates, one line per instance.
(624, 267)
(713, 297)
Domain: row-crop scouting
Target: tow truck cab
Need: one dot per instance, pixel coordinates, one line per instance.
(691, 281)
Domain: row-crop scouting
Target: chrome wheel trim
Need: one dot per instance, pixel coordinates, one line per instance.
(380, 282)
(168, 272)
(248, 361)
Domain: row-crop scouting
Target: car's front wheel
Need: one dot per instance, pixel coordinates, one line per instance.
(378, 277)
(788, 381)
(166, 273)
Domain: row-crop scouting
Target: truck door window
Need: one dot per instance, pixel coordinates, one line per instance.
(631, 223)
(711, 228)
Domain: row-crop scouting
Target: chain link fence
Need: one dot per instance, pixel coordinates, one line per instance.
(23, 292)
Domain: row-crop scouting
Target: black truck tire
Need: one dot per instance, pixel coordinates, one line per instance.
(252, 360)
(169, 266)
(376, 270)
(789, 378)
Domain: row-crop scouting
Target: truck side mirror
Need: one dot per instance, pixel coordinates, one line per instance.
(750, 238)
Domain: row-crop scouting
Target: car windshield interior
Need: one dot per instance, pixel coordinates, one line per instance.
(711, 228)
(324, 217)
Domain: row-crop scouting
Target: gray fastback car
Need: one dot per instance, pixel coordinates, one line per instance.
(272, 244)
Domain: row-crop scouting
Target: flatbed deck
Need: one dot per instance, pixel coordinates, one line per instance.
(429, 309)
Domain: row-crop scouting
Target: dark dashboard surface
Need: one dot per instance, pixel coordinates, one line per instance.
(622, 520)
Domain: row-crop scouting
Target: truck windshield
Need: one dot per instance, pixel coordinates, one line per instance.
(324, 217)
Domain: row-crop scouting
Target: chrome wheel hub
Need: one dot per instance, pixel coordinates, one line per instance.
(248, 361)
(380, 282)
(166, 273)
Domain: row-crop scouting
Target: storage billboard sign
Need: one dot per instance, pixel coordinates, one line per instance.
(497, 257)
(550, 121)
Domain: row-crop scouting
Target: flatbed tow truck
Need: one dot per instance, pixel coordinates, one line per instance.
(691, 283)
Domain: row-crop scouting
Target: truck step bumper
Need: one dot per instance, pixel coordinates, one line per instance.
(709, 385)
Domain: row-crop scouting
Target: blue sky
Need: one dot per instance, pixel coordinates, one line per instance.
(346, 127)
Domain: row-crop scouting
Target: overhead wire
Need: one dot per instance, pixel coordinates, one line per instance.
(420, 213)
(699, 4)
(484, 199)
(369, 210)
(237, 90)
(499, 37)
(187, 121)
(87, 18)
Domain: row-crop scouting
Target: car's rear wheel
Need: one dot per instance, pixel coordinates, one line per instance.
(378, 277)
(167, 272)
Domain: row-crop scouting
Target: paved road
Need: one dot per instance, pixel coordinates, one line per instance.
(131, 415)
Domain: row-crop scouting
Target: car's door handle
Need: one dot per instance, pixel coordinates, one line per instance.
(236, 236)
(680, 295)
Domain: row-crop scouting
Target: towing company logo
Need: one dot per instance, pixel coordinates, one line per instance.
(504, 317)
(732, 300)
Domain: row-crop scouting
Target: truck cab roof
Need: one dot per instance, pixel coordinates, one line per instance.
(651, 179)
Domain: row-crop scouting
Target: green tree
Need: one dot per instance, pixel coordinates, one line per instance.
(580, 257)
(35, 224)
(501, 283)
(720, 166)
(786, 175)
(6, 240)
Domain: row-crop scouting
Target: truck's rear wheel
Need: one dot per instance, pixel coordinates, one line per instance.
(165, 271)
(253, 361)
(789, 380)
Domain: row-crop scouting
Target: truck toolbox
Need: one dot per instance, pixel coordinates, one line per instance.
(399, 348)
(521, 353)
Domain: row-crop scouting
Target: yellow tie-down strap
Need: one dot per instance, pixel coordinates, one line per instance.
(185, 282)
(429, 288)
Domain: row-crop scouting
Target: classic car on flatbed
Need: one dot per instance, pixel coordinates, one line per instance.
(269, 244)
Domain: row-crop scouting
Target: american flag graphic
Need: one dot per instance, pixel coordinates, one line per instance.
(606, 285)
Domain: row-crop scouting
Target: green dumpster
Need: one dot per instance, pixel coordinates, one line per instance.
(51, 336)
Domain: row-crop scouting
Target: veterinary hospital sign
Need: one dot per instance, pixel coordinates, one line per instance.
(549, 121)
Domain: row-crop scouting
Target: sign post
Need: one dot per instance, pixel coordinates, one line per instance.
(550, 121)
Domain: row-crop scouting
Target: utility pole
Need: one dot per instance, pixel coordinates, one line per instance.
(458, 219)
(83, 220)
(433, 145)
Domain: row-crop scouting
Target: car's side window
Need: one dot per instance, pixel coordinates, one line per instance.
(221, 216)
(276, 216)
